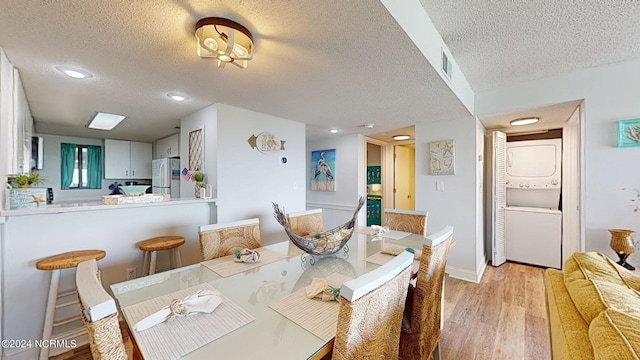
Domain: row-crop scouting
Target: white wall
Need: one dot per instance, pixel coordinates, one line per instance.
(611, 94)
(350, 177)
(481, 259)
(51, 169)
(207, 119)
(457, 204)
(250, 181)
(32, 237)
(246, 180)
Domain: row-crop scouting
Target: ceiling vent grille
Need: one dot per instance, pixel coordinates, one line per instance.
(447, 67)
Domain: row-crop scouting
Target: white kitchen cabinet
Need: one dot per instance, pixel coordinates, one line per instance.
(168, 147)
(127, 159)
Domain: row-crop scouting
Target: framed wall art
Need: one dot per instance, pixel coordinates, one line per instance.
(323, 170)
(629, 132)
(442, 157)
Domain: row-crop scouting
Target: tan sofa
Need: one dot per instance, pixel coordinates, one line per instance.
(594, 309)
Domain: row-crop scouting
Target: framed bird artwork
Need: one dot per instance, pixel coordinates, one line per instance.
(323, 170)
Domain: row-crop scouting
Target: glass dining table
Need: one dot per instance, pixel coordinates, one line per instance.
(271, 335)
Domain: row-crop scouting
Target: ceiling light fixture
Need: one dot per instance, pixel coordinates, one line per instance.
(401, 137)
(524, 121)
(333, 131)
(74, 73)
(177, 97)
(224, 40)
(105, 121)
(369, 126)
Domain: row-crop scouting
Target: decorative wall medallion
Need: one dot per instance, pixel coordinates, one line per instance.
(266, 142)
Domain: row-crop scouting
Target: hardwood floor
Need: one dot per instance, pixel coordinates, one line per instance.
(503, 317)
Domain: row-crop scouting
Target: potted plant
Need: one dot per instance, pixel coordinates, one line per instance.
(199, 178)
(26, 180)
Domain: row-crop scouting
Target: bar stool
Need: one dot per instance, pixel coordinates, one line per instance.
(151, 246)
(54, 264)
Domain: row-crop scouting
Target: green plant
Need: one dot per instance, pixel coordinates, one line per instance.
(198, 177)
(26, 179)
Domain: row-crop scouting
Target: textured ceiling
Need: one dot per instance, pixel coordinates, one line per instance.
(324, 63)
(500, 42)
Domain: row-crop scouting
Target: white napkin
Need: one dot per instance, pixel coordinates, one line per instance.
(247, 256)
(203, 301)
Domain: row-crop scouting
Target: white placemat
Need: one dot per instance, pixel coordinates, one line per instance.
(226, 266)
(381, 259)
(316, 316)
(390, 234)
(180, 336)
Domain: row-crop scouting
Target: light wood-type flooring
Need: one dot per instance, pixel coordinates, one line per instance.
(502, 317)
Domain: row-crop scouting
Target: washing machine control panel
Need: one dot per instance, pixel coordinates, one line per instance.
(534, 184)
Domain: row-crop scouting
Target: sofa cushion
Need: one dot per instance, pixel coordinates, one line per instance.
(615, 336)
(594, 265)
(569, 332)
(595, 284)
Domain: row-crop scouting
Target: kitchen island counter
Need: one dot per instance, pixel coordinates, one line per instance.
(69, 206)
(29, 235)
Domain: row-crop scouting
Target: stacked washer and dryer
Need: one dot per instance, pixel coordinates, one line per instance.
(533, 219)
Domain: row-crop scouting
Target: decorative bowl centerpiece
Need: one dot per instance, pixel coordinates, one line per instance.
(325, 243)
(133, 190)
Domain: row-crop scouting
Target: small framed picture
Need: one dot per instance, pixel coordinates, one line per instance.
(629, 133)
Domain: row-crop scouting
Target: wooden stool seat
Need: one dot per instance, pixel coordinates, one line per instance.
(55, 263)
(161, 243)
(153, 245)
(69, 259)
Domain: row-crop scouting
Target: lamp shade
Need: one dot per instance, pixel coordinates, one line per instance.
(224, 40)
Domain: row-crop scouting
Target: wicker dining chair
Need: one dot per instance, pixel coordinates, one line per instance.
(422, 321)
(99, 315)
(304, 223)
(218, 240)
(370, 314)
(413, 221)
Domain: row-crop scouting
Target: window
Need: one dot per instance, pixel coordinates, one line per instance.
(80, 166)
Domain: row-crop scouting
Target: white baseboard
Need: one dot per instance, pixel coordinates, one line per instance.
(464, 274)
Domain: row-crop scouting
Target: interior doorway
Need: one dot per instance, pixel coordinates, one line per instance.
(404, 173)
(569, 119)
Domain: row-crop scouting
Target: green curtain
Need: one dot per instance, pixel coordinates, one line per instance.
(67, 164)
(94, 167)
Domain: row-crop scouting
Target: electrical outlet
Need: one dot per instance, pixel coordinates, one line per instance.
(131, 273)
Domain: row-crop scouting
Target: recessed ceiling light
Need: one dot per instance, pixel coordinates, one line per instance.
(105, 121)
(74, 73)
(369, 126)
(401, 137)
(177, 97)
(333, 131)
(525, 121)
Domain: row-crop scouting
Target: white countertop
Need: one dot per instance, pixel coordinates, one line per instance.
(86, 205)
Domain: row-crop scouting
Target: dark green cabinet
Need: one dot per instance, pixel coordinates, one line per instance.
(373, 175)
(374, 211)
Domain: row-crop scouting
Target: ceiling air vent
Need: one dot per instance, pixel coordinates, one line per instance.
(447, 67)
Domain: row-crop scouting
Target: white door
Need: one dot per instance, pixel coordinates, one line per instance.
(499, 198)
(572, 186)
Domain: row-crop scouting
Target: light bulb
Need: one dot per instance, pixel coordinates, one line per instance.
(225, 58)
(241, 51)
(211, 44)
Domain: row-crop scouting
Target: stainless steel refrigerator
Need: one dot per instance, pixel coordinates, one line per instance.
(166, 177)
